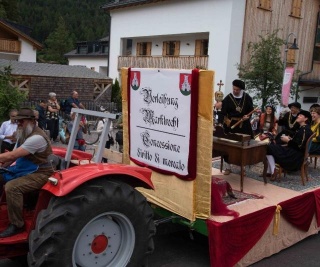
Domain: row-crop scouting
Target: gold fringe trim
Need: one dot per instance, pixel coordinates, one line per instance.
(276, 221)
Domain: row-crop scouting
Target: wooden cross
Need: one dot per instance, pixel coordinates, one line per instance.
(220, 84)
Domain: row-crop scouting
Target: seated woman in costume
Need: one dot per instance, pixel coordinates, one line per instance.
(290, 156)
(315, 127)
(268, 125)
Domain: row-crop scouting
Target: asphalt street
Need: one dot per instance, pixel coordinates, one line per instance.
(177, 249)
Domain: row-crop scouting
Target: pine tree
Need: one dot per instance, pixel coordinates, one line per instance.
(116, 94)
(57, 44)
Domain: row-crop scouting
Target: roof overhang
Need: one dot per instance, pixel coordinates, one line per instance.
(21, 35)
(127, 3)
(313, 83)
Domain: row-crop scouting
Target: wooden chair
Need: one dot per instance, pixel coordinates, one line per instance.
(314, 157)
(304, 165)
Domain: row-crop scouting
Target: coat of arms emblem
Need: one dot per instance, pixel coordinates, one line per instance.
(185, 83)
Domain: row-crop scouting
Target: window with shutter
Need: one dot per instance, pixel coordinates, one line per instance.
(144, 49)
(316, 53)
(201, 48)
(171, 48)
(296, 8)
(265, 4)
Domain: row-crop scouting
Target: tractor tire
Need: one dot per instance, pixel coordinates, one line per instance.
(102, 223)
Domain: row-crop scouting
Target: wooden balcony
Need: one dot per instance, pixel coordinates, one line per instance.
(181, 62)
(10, 46)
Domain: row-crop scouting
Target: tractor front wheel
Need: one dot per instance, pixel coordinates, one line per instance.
(102, 223)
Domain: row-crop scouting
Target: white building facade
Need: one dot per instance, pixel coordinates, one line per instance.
(220, 22)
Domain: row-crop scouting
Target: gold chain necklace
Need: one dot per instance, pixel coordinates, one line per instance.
(289, 121)
(238, 108)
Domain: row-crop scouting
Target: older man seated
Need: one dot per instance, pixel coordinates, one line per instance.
(30, 171)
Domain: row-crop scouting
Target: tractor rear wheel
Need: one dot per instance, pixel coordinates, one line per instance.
(102, 223)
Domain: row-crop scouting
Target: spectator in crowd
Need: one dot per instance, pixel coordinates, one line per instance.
(80, 142)
(8, 132)
(73, 102)
(42, 118)
(110, 140)
(30, 172)
(53, 116)
(119, 134)
(315, 127)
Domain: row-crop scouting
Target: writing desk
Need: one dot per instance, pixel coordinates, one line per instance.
(240, 153)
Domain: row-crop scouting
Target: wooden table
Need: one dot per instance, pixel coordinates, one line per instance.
(240, 154)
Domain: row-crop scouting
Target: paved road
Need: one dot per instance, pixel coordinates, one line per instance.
(178, 250)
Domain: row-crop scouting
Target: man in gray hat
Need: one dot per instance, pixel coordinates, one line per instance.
(30, 171)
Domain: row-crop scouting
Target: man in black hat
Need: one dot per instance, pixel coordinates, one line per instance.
(30, 171)
(288, 121)
(290, 157)
(236, 106)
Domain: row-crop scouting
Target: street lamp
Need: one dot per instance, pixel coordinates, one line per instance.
(294, 46)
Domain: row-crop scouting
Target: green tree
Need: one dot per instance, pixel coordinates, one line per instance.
(263, 73)
(57, 44)
(11, 10)
(3, 13)
(10, 97)
(116, 96)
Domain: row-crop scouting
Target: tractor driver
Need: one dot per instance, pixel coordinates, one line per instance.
(30, 171)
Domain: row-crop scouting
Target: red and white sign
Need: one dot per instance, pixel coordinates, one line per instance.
(286, 85)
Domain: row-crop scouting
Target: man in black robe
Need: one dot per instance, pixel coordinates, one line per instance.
(288, 122)
(290, 157)
(236, 106)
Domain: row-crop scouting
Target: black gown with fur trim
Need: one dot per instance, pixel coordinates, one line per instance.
(290, 157)
(229, 106)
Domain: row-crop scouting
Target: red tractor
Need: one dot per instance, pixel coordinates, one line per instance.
(88, 214)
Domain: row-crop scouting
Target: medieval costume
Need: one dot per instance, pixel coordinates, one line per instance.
(315, 127)
(290, 157)
(288, 122)
(234, 107)
(267, 125)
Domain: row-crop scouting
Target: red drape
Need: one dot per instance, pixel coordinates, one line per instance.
(299, 211)
(217, 205)
(317, 204)
(230, 241)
